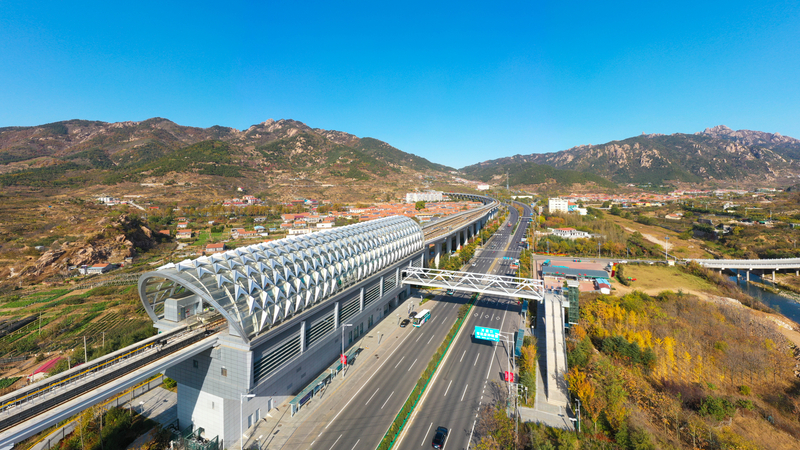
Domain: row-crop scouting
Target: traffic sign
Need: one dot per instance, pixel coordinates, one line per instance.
(490, 334)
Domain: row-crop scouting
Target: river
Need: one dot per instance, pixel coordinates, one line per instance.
(785, 305)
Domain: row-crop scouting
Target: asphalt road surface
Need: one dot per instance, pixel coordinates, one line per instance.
(472, 372)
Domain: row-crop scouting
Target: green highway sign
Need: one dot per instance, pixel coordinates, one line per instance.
(490, 334)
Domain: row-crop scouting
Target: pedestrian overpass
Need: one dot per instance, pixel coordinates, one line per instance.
(481, 283)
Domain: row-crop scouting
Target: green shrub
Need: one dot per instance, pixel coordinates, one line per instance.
(717, 407)
(169, 383)
(744, 390)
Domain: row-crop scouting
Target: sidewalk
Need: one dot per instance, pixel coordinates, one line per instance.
(552, 415)
(275, 430)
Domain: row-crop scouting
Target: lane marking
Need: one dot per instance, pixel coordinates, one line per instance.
(354, 445)
(429, 340)
(398, 363)
(476, 359)
(387, 399)
(420, 336)
(412, 365)
(469, 441)
(368, 380)
(337, 440)
(448, 388)
(462, 356)
(426, 435)
(465, 391)
(373, 395)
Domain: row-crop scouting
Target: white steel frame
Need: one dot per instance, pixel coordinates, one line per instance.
(475, 282)
(259, 286)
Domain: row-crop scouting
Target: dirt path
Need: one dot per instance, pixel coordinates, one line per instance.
(646, 236)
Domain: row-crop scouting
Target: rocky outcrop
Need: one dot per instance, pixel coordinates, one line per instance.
(750, 137)
(120, 239)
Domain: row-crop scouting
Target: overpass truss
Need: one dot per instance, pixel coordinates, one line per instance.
(501, 285)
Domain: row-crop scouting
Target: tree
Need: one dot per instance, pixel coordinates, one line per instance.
(419, 205)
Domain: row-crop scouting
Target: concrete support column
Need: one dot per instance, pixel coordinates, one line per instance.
(361, 299)
(458, 239)
(380, 288)
(303, 336)
(437, 250)
(773, 277)
(748, 276)
(449, 244)
(336, 315)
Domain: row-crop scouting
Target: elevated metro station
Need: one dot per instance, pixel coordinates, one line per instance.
(284, 302)
(263, 321)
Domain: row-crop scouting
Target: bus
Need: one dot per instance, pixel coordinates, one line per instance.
(421, 317)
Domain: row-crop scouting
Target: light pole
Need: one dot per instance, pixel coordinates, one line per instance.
(241, 418)
(343, 358)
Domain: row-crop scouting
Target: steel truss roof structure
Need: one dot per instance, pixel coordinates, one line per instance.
(475, 282)
(257, 287)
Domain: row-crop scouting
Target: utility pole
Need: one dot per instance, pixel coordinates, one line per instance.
(85, 352)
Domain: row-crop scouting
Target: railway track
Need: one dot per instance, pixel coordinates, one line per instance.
(24, 404)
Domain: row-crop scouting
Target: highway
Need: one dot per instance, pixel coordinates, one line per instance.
(464, 382)
(360, 421)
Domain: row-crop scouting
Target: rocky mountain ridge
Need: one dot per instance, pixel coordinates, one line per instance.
(716, 156)
(156, 148)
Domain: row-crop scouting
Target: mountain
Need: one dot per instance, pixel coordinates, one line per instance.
(522, 172)
(157, 150)
(717, 155)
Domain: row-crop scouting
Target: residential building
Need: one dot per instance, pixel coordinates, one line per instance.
(215, 248)
(429, 196)
(99, 268)
(557, 205)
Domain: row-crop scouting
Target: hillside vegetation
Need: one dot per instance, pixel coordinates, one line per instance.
(674, 371)
(73, 153)
(523, 173)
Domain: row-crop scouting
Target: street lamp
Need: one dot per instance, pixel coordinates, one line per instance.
(241, 418)
(343, 358)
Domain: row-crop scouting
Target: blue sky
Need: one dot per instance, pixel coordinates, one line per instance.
(457, 83)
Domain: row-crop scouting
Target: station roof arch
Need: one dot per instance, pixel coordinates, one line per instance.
(259, 286)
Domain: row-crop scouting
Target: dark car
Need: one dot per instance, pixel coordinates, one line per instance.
(404, 323)
(439, 437)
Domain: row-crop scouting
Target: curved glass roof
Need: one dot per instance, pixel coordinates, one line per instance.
(257, 287)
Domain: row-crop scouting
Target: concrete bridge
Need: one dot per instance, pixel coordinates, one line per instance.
(749, 265)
